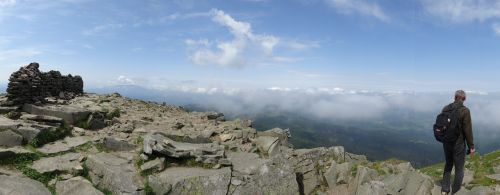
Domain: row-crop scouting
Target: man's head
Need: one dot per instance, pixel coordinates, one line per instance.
(460, 95)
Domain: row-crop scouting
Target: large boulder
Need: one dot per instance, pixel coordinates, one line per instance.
(64, 145)
(253, 175)
(209, 153)
(69, 113)
(9, 138)
(116, 174)
(76, 186)
(184, 180)
(69, 162)
(22, 186)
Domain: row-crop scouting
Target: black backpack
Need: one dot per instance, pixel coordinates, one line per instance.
(447, 127)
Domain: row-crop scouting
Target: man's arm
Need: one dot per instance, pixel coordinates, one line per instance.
(467, 128)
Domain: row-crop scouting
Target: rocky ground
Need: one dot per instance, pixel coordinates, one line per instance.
(108, 144)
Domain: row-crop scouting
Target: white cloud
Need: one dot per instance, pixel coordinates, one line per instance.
(232, 53)
(4, 3)
(496, 28)
(463, 10)
(359, 6)
(245, 48)
(101, 29)
(123, 80)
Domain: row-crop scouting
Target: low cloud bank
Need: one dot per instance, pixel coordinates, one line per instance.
(333, 104)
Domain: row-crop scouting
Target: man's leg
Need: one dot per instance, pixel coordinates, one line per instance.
(459, 159)
(448, 153)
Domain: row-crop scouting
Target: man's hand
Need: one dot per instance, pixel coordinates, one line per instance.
(472, 151)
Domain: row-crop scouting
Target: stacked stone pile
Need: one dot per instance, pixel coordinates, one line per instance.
(29, 85)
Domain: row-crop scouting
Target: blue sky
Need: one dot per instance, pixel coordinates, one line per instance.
(418, 45)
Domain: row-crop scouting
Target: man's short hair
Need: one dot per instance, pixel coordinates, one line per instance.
(460, 95)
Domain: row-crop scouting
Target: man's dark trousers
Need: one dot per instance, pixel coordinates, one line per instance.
(455, 156)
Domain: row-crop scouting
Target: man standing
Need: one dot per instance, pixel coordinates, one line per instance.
(454, 149)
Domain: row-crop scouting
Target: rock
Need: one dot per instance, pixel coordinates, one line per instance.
(409, 183)
(267, 144)
(468, 176)
(7, 109)
(69, 113)
(272, 176)
(96, 121)
(12, 152)
(118, 144)
(18, 185)
(494, 177)
(246, 163)
(6, 123)
(215, 116)
(497, 169)
(65, 163)
(76, 186)
(9, 138)
(206, 153)
(116, 174)
(63, 145)
(155, 165)
(42, 118)
(29, 85)
(282, 134)
(181, 180)
(225, 137)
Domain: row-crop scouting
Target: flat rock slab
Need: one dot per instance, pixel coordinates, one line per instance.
(184, 180)
(207, 153)
(6, 123)
(118, 144)
(9, 138)
(12, 185)
(70, 114)
(494, 177)
(7, 109)
(64, 145)
(41, 118)
(114, 173)
(246, 163)
(12, 152)
(68, 162)
(76, 186)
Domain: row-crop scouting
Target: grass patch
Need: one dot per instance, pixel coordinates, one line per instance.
(83, 124)
(481, 165)
(22, 162)
(148, 189)
(51, 135)
(112, 114)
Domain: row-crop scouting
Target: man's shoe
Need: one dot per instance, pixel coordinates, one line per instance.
(444, 193)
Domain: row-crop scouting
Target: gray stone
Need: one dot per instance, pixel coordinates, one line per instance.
(182, 180)
(246, 163)
(155, 165)
(63, 145)
(9, 138)
(12, 185)
(411, 182)
(497, 169)
(207, 153)
(76, 186)
(96, 121)
(69, 113)
(6, 123)
(7, 109)
(468, 176)
(118, 144)
(68, 163)
(12, 152)
(42, 118)
(267, 144)
(116, 174)
(272, 176)
(494, 177)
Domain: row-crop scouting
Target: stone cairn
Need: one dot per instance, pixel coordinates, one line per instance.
(29, 85)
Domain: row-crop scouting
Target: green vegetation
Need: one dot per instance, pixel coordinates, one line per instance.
(22, 162)
(13, 115)
(481, 165)
(83, 124)
(115, 113)
(148, 189)
(51, 135)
